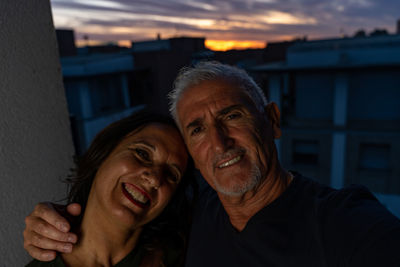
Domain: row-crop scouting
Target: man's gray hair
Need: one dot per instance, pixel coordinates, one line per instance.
(209, 71)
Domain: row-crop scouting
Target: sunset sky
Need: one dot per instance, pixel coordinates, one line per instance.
(225, 24)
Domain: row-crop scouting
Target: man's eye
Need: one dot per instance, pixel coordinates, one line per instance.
(196, 131)
(142, 154)
(233, 116)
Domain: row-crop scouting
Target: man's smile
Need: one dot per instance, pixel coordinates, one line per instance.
(230, 162)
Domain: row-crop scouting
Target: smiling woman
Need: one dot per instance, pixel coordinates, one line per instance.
(131, 187)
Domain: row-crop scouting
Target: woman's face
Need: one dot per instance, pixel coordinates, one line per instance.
(135, 182)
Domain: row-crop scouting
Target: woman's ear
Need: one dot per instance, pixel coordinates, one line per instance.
(273, 117)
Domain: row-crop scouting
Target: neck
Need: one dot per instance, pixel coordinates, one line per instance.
(240, 209)
(101, 242)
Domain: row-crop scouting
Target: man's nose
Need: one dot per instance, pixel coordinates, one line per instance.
(219, 137)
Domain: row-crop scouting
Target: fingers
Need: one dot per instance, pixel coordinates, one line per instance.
(39, 241)
(36, 226)
(47, 232)
(46, 212)
(74, 209)
(41, 254)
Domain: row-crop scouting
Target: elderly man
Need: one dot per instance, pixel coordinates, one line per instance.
(256, 213)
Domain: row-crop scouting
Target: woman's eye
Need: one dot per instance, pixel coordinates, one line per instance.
(174, 178)
(142, 154)
(172, 175)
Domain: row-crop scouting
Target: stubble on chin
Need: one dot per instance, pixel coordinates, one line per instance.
(239, 188)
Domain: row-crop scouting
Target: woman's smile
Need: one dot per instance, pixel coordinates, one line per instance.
(136, 195)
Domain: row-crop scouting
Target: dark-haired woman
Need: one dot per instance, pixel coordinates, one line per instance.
(130, 185)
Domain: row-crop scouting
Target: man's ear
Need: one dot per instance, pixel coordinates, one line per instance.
(273, 116)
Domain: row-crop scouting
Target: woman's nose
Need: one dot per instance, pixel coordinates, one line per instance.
(153, 177)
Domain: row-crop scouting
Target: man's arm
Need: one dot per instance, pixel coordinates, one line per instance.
(47, 231)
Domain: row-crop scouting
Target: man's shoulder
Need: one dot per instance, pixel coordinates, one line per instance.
(326, 195)
(346, 209)
(350, 211)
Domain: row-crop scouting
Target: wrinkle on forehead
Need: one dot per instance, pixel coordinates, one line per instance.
(195, 103)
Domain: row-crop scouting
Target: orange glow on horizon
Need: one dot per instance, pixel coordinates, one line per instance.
(215, 45)
(126, 43)
(224, 45)
(82, 43)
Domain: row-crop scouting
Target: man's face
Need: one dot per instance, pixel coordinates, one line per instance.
(231, 142)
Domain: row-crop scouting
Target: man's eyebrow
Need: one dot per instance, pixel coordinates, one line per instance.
(228, 109)
(222, 112)
(194, 123)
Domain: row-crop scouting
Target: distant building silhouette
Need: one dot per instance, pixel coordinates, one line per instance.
(157, 63)
(66, 42)
(398, 27)
(276, 51)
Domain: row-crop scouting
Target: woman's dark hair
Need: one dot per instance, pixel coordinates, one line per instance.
(172, 224)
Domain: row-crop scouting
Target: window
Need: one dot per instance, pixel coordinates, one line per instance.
(375, 157)
(314, 96)
(106, 94)
(305, 152)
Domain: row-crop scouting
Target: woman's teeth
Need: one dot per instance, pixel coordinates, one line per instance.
(137, 196)
(230, 162)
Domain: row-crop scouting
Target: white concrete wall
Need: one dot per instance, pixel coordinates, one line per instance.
(35, 140)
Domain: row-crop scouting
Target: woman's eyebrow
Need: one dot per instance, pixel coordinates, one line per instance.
(143, 142)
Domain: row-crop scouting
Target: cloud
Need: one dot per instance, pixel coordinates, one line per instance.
(237, 19)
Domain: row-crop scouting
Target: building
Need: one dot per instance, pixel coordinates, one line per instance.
(339, 100)
(97, 89)
(66, 42)
(157, 62)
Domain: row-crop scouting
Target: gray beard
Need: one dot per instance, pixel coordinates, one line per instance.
(236, 190)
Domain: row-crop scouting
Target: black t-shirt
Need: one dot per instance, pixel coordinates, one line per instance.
(308, 225)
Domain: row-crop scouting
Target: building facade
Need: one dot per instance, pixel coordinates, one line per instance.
(340, 112)
(97, 91)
